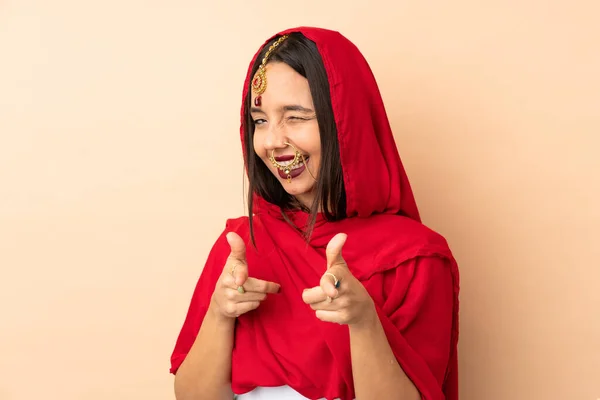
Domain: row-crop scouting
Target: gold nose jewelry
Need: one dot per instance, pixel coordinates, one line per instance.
(287, 169)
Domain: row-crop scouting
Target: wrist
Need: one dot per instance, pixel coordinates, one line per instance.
(216, 314)
(369, 320)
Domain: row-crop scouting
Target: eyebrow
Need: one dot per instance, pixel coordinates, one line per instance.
(292, 107)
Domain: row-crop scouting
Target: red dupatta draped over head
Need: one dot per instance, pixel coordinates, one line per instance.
(373, 173)
(407, 269)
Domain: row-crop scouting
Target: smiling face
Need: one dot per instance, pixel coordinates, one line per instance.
(286, 122)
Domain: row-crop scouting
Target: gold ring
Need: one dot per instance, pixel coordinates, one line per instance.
(336, 281)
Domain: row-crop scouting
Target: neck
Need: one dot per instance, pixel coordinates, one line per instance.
(304, 203)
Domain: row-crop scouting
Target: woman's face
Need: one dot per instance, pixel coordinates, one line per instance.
(286, 115)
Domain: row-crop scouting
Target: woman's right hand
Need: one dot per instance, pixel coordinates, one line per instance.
(235, 293)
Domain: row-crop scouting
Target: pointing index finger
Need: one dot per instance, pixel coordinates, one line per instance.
(261, 286)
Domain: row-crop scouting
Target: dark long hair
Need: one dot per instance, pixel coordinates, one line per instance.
(302, 55)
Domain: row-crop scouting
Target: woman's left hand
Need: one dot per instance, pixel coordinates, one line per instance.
(349, 303)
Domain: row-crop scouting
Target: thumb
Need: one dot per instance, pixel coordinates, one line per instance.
(334, 250)
(238, 257)
(238, 248)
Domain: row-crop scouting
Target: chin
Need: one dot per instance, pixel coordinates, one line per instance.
(297, 191)
(297, 187)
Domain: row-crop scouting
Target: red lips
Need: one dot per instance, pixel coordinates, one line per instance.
(294, 172)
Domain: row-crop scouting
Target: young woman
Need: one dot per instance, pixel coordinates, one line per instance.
(331, 288)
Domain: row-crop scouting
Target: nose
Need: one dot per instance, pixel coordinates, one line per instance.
(275, 139)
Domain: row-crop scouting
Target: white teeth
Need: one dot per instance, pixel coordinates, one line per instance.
(286, 163)
(301, 164)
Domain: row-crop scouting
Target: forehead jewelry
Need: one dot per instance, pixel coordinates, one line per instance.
(287, 169)
(259, 82)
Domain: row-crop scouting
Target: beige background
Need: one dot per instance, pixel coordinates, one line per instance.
(120, 160)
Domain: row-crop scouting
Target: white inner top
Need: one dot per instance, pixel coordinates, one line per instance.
(272, 393)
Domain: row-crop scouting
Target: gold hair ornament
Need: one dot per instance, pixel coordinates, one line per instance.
(259, 82)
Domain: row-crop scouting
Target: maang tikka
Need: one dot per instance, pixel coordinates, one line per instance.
(259, 82)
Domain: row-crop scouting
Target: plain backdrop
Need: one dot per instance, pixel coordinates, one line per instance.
(120, 161)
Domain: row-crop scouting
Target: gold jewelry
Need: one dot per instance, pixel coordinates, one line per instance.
(288, 168)
(240, 289)
(259, 82)
(336, 281)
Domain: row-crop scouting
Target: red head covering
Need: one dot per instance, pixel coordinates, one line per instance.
(407, 268)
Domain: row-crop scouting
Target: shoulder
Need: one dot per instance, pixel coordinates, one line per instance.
(238, 225)
(241, 226)
(401, 233)
(417, 232)
(383, 242)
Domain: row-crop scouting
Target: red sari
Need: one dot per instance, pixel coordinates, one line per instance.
(407, 268)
